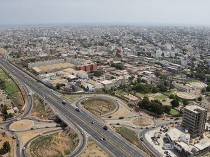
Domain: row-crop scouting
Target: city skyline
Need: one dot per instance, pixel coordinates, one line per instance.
(141, 12)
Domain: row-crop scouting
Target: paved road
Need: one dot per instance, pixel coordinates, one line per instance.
(114, 144)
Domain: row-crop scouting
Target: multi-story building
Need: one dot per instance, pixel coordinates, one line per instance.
(194, 119)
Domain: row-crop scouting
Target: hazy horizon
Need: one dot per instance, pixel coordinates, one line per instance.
(105, 12)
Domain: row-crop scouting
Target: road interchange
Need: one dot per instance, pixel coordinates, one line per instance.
(114, 144)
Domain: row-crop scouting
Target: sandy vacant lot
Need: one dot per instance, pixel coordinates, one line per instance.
(142, 121)
(93, 150)
(98, 106)
(22, 125)
(122, 112)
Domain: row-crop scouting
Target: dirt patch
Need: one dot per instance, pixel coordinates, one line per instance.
(22, 125)
(122, 112)
(7, 137)
(98, 106)
(72, 98)
(142, 121)
(93, 150)
(58, 144)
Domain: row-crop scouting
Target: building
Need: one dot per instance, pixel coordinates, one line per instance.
(179, 140)
(107, 84)
(194, 119)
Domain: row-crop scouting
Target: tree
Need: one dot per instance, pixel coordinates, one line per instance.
(154, 106)
(155, 90)
(175, 103)
(58, 86)
(208, 88)
(2, 85)
(118, 66)
(200, 98)
(6, 147)
(162, 88)
(171, 96)
(167, 109)
(185, 102)
(97, 73)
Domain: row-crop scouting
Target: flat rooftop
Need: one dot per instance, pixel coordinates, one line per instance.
(175, 133)
(105, 82)
(193, 108)
(202, 144)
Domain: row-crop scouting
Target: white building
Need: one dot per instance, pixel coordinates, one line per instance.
(166, 54)
(158, 54)
(107, 84)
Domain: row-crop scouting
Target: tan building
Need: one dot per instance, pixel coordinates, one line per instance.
(194, 119)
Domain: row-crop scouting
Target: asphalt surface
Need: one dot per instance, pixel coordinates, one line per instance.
(114, 144)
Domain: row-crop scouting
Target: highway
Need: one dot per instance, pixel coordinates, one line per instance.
(114, 144)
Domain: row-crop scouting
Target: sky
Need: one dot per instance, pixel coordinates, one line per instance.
(151, 12)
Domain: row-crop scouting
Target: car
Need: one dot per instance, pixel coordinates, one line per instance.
(176, 119)
(24, 148)
(121, 117)
(63, 102)
(17, 144)
(141, 138)
(105, 127)
(92, 122)
(101, 139)
(77, 109)
(147, 128)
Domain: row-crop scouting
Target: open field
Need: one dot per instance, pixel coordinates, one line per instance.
(72, 98)
(11, 87)
(55, 145)
(98, 106)
(161, 97)
(131, 136)
(22, 125)
(93, 150)
(174, 112)
(11, 90)
(122, 112)
(39, 108)
(121, 92)
(142, 121)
